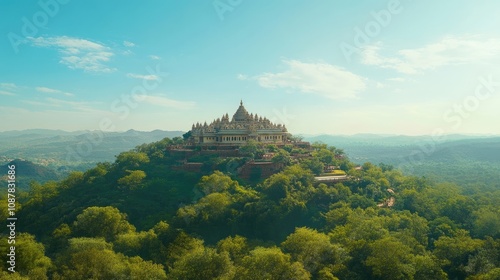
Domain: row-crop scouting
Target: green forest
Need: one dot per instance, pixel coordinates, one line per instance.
(142, 217)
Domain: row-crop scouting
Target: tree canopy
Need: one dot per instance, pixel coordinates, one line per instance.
(144, 217)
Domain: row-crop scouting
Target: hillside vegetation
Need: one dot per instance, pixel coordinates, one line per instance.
(141, 217)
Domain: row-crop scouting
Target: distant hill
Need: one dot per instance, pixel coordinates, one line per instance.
(64, 150)
(27, 171)
(394, 149)
(470, 161)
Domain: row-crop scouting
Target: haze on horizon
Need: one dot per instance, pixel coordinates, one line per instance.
(381, 67)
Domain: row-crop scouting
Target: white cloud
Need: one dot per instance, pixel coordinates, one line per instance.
(59, 102)
(242, 77)
(50, 90)
(2, 92)
(78, 53)
(128, 44)
(7, 88)
(8, 85)
(143, 77)
(69, 105)
(154, 57)
(165, 102)
(314, 78)
(448, 51)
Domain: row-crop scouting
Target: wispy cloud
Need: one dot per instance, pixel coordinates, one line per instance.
(74, 104)
(55, 91)
(78, 53)
(166, 102)
(8, 85)
(448, 51)
(64, 104)
(2, 92)
(143, 77)
(128, 44)
(7, 89)
(154, 57)
(321, 79)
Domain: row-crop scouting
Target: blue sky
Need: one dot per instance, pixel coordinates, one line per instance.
(335, 67)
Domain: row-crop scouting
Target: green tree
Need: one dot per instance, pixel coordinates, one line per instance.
(187, 135)
(30, 256)
(140, 269)
(427, 267)
(486, 259)
(277, 186)
(282, 158)
(315, 165)
(97, 173)
(487, 222)
(131, 160)
(250, 149)
(133, 180)
(236, 247)
(93, 258)
(203, 263)
(144, 244)
(12, 276)
(390, 259)
(314, 250)
(455, 251)
(94, 264)
(216, 182)
(182, 245)
(270, 263)
(325, 156)
(105, 222)
(493, 274)
(212, 207)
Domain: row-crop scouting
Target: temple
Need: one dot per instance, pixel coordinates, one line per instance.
(241, 128)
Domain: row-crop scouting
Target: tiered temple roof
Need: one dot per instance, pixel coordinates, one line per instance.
(243, 124)
(241, 120)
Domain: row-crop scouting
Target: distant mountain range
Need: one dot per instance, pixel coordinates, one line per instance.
(395, 149)
(73, 148)
(42, 155)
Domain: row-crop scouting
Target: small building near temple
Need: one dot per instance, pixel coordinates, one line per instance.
(242, 127)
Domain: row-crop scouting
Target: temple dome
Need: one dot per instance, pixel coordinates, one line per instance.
(241, 114)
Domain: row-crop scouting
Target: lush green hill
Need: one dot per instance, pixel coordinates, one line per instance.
(140, 217)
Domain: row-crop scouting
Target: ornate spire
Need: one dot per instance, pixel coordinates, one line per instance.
(241, 114)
